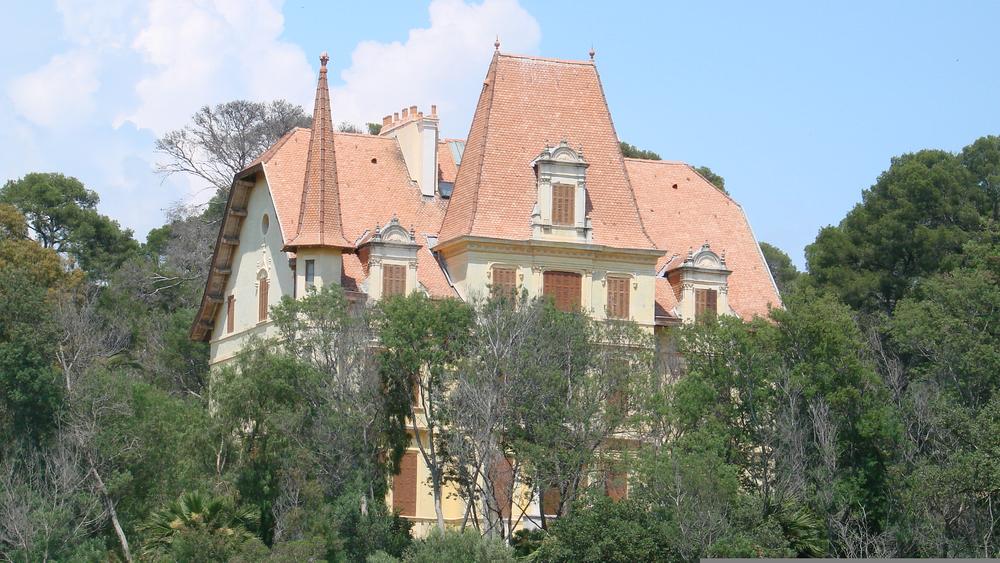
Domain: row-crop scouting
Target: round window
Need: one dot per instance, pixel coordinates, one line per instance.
(265, 222)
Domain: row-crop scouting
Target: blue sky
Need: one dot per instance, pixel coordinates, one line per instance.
(799, 105)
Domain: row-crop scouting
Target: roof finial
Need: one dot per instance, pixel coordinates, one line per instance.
(323, 59)
(496, 44)
(592, 52)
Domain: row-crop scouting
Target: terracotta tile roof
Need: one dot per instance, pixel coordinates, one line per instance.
(525, 104)
(447, 168)
(695, 212)
(374, 186)
(319, 222)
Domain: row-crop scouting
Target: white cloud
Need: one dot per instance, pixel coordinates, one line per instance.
(442, 64)
(202, 52)
(40, 95)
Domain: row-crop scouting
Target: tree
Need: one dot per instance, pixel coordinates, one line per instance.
(712, 177)
(910, 224)
(632, 151)
(197, 513)
(221, 141)
(982, 158)
(62, 215)
(422, 342)
(783, 271)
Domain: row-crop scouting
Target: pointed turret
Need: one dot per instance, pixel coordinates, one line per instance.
(320, 223)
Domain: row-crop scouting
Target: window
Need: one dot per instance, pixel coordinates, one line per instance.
(563, 204)
(310, 273)
(615, 485)
(262, 300)
(504, 282)
(404, 486)
(618, 303)
(230, 312)
(550, 501)
(265, 223)
(393, 280)
(705, 301)
(564, 288)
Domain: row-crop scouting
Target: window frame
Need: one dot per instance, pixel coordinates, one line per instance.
(559, 291)
(263, 287)
(309, 273)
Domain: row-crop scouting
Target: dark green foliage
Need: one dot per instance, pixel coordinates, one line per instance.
(632, 151)
(458, 546)
(30, 385)
(199, 522)
(606, 531)
(782, 269)
(715, 179)
(911, 223)
(63, 215)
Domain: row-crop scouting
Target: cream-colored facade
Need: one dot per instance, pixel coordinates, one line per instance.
(540, 187)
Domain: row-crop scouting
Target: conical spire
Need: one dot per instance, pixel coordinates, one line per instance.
(319, 217)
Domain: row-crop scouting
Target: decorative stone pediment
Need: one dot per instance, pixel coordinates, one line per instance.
(393, 232)
(705, 258)
(561, 154)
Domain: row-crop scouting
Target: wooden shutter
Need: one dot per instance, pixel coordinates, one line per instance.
(262, 300)
(564, 288)
(550, 501)
(504, 282)
(563, 204)
(230, 312)
(404, 486)
(502, 475)
(393, 280)
(615, 485)
(618, 298)
(705, 301)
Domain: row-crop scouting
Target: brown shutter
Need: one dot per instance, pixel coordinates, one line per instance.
(404, 486)
(618, 298)
(615, 485)
(504, 282)
(550, 501)
(393, 280)
(262, 300)
(564, 288)
(563, 204)
(502, 475)
(230, 312)
(705, 301)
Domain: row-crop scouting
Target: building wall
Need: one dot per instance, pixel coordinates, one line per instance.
(470, 266)
(256, 251)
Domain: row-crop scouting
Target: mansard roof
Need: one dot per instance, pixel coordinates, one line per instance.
(527, 103)
(682, 211)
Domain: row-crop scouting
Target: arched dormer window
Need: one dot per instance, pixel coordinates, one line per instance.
(561, 208)
(702, 280)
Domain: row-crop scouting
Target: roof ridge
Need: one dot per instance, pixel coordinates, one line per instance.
(621, 158)
(547, 59)
(494, 69)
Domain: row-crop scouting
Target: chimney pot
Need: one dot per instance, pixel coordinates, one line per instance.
(413, 111)
(395, 117)
(434, 110)
(386, 120)
(405, 113)
(420, 114)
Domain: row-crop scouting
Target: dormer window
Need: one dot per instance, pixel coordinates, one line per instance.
(702, 284)
(561, 208)
(563, 204)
